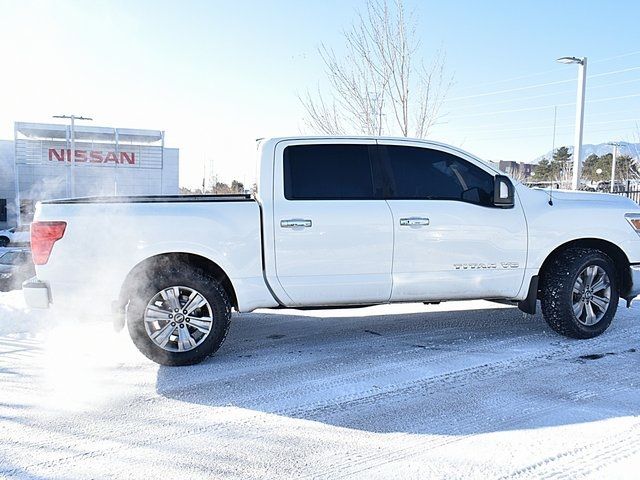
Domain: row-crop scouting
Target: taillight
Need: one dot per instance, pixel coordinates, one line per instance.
(43, 236)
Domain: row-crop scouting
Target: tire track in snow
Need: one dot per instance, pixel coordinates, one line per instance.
(454, 379)
(263, 362)
(471, 422)
(150, 403)
(409, 358)
(581, 461)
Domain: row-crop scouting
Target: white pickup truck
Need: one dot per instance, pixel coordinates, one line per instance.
(336, 222)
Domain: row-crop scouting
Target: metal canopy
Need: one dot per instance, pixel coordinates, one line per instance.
(47, 131)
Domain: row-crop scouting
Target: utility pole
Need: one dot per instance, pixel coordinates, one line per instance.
(577, 144)
(204, 175)
(613, 164)
(72, 179)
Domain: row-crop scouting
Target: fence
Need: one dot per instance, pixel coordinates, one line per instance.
(632, 193)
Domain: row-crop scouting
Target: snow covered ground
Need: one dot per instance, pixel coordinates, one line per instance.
(419, 392)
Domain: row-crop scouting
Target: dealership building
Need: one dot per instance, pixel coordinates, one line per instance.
(45, 161)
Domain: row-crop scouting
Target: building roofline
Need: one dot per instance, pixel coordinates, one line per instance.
(87, 132)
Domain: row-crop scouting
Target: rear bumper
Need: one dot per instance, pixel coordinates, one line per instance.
(36, 293)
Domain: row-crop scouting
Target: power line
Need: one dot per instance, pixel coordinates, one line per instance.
(542, 107)
(544, 95)
(614, 72)
(489, 126)
(549, 126)
(598, 100)
(514, 110)
(546, 135)
(529, 87)
(623, 82)
(521, 77)
(530, 97)
(637, 52)
(545, 72)
(509, 90)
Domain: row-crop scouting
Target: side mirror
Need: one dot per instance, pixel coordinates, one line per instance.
(503, 192)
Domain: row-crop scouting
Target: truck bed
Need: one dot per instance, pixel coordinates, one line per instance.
(106, 237)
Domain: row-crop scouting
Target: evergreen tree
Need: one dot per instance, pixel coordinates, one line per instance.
(542, 170)
(552, 170)
(590, 167)
(562, 163)
(625, 168)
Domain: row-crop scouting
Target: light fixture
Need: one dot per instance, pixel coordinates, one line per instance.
(567, 60)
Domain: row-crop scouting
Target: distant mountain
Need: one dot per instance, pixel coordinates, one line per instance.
(625, 148)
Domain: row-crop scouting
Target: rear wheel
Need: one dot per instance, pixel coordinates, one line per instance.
(4, 241)
(580, 292)
(179, 318)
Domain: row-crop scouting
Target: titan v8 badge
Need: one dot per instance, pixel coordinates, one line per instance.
(485, 266)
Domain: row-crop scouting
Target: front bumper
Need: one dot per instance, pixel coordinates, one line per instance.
(36, 293)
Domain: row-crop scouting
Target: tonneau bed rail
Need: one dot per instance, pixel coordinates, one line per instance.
(239, 197)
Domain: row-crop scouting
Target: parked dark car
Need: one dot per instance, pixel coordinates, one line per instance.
(16, 266)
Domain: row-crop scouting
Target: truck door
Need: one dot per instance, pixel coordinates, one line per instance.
(451, 241)
(333, 230)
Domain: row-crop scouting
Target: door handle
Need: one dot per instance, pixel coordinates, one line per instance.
(295, 222)
(414, 221)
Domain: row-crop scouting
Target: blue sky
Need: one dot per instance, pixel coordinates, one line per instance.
(217, 75)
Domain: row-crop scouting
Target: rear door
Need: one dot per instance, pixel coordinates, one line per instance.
(332, 228)
(451, 242)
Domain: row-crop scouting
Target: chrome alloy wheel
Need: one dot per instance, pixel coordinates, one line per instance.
(591, 295)
(178, 319)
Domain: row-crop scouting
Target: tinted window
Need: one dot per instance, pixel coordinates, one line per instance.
(314, 172)
(3, 209)
(422, 173)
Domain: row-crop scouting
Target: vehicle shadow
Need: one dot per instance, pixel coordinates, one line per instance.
(443, 372)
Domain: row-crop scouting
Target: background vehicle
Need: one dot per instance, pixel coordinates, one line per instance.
(605, 186)
(16, 266)
(337, 222)
(15, 236)
(5, 237)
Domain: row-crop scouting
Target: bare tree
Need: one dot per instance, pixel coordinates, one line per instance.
(379, 86)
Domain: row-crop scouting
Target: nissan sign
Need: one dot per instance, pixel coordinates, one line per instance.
(92, 156)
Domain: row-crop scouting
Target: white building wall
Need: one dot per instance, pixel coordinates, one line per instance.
(171, 172)
(156, 172)
(43, 181)
(7, 182)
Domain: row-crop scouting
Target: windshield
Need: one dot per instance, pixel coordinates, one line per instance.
(12, 258)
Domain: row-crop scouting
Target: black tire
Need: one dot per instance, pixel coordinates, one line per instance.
(208, 287)
(557, 296)
(4, 241)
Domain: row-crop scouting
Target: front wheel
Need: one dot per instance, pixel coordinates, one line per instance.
(179, 318)
(4, 241)
(580, 292)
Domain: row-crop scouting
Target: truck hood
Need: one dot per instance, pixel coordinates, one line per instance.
(591, 197)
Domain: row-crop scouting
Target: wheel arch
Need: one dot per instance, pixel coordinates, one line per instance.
(619, 257)
(164, 261)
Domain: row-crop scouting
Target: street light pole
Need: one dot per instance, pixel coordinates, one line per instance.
(73, 118)
(613, 164)
(577, 144)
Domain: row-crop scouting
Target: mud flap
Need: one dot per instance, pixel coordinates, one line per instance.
(528, 305)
